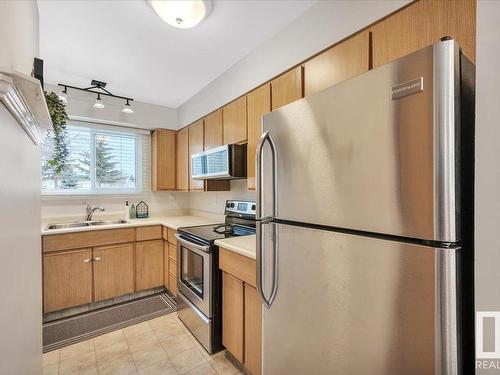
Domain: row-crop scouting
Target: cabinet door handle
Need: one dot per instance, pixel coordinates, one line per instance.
(87, 260)
(96, 259)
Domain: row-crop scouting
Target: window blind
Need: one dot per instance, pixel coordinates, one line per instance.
(96, 159)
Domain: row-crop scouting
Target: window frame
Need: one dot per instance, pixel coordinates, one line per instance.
(142, 185)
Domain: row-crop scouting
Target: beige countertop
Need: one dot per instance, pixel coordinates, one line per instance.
(244, 245)
(173, 222)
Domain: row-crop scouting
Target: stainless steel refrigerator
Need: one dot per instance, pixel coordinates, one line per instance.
(362, 196)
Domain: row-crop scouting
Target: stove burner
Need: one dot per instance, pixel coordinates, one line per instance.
(226, 229)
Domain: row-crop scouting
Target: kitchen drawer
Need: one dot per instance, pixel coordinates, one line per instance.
(76, 240)
(171, 236)
(239, 266)
(165, 264)
(153, 232)
(172, 252)
(172, 267)
(172, 283)
(165, 233)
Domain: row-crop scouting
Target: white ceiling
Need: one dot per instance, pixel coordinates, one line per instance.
(127, 45)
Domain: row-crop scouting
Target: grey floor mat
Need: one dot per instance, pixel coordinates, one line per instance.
(85, 326)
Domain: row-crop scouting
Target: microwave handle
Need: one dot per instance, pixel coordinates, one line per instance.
(266, 301)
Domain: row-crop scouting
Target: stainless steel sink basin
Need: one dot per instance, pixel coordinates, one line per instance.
(85, 224)
(109, 222)
(68, 225)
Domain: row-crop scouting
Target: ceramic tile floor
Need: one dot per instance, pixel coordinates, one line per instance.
(161, 346)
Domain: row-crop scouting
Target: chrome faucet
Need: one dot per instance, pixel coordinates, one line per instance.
(90, 212)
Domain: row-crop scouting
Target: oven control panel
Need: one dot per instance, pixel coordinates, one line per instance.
(240, 207)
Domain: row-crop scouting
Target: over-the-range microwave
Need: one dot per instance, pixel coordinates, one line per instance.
(222, 163)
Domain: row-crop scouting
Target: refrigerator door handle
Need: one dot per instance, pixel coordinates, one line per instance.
(266, 137)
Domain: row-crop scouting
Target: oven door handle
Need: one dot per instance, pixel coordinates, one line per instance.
(199, 249)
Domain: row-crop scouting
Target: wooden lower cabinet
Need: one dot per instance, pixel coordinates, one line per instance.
(148, 264)
(165, 264)
(172, 283)
(172, 251)
(232, 315)
(67, 279)
(241, 310)
(253, 328)
(171, 262)
(113, 271)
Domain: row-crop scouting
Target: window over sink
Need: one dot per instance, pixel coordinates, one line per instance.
(96, 159)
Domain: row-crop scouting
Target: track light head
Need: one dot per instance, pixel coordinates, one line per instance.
(127, 108)
(98, 102)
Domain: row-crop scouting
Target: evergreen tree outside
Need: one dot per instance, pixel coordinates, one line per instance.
(105, 166)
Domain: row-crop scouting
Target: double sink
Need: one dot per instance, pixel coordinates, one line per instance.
(81, 224)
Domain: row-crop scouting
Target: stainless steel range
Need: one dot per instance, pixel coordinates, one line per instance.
(199, 278)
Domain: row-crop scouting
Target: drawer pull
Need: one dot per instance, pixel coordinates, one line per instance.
(96, 259)
(87, 260)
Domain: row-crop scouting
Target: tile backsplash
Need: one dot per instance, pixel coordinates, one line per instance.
(160, 203)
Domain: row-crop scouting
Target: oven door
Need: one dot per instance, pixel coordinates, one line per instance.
(194, 274)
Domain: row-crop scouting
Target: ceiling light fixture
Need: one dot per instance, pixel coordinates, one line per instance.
(127, 108)
(97, 85)
(181, 13)
(98, 102)
(63, 95)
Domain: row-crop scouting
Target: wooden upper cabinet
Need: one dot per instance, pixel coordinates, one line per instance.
(424, 23)
(182, 164)
(113, 271)
(196, 139)
(287, 88)
(213, 130)
(337, 64)
(258, 104)
(235, 121)
(163, 159)
(67, 279)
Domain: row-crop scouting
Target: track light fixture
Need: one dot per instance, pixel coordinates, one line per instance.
(96, 85)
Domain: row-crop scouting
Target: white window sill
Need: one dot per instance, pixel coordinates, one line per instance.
(92, 196)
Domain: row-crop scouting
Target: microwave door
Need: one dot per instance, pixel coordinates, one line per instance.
(218, 162)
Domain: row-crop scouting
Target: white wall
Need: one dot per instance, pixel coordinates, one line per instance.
(20, 252)
(18, 34)
(487, 199)
(322, 25)
(214, 202)
(145, 116)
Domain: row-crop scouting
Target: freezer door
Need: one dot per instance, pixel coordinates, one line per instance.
(375, 153)
(354, 305)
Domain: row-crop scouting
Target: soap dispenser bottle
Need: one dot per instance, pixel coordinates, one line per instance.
(126, 215)
(132, 211)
